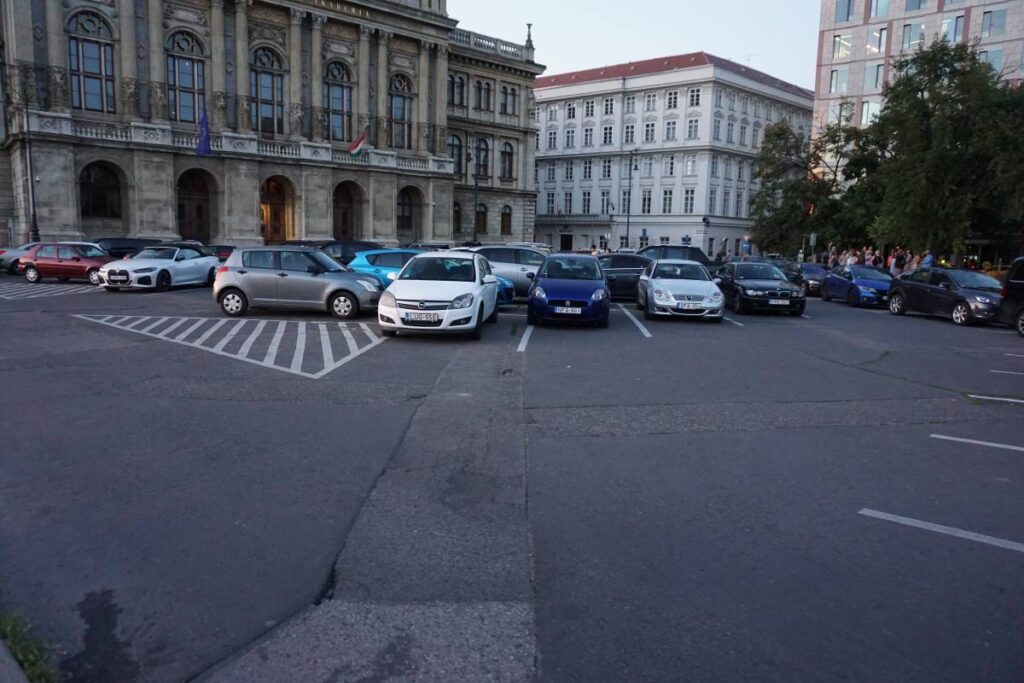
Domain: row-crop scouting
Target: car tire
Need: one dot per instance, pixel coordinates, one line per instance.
(961, 314)
(531, 319)
(648, 313)
(233, 303)
(32, 274)
(163, 281)
(1020, 322)
(389, 333)
(93, 276)
(343, 305)
(493, 317)
(478, 330)
(739, 307)
(12, 269)
(639, 303)
(897, 306)
(111, 289)
(211, 276)
(823, 293)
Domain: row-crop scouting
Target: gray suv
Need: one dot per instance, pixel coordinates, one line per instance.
(291, 277)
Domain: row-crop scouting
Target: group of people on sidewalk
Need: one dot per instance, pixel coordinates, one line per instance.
(898, 261)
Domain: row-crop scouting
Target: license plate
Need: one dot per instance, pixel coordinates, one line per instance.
(778, 302)
(691, 307)
(423, 317)
(568, 311)
(118, 278)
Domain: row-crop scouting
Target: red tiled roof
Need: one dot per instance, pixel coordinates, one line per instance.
(662, 64)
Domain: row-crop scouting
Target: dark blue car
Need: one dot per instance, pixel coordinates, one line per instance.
(569, 288)
(857, 285)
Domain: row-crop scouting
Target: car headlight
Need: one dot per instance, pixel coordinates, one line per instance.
(983, 299)
(714, 298)
(464, 301)
(798, 294)
(754, 292)
(869, 290)
(662, 295)
(367, 285)
(143, 271)
(388, 299)
(599, 295)
(538, 293)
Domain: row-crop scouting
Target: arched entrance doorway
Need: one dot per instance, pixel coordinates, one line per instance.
(277, 199)
(101, 200)
(195, 205)
(407, 215)
(348, 200)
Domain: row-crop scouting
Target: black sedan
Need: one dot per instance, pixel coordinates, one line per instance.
(759, 286)
(342, 251)
(964, 296)
(623, 273)
(814, 275)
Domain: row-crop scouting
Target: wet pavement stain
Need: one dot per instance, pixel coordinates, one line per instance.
(103, 657)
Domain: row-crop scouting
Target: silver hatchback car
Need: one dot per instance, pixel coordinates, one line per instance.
(291, 277)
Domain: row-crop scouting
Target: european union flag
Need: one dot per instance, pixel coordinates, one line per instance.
(203, 143)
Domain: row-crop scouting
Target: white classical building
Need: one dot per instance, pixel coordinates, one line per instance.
(655, 152)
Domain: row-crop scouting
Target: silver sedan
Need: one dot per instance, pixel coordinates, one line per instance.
(674, 287)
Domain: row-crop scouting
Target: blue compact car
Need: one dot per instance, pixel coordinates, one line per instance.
(569, 288)
(379, 262)
(857, 285)
(506, 290)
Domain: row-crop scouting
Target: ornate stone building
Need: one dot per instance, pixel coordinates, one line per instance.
(103, 101)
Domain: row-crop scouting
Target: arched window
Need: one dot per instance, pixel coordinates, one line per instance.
(186, 82)
(481, 218)
(455, 153)
(404, 214)
(337, 102)
(457, 218)
(506, 220)
(483, 159)
(99, 191)
(507, 161)
(488, 102)
(503, 104)
(513, 98)
(266, 88)
(478, 95)
(400, 111)
(91, 61)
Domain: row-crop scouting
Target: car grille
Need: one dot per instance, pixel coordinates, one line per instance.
(426, 305)
(422, 323)
(118, 276)
(688, 297)
(778, 294)
(567, 303)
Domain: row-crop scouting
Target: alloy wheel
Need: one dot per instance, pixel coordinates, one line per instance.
(94, 277)
(1020, 323)
(31, 274)
(896, 304)
(961, 315)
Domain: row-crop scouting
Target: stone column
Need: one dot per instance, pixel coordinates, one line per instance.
(363, 83)
(157, 91)
(439, 117)
(129, 104)
(383, 38)
(242, 65)
(218, 96)
(316, 77)
(56, 56)
(295, 109)
(422, 129)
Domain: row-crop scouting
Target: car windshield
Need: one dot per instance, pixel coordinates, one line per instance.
(786, 265)
(159, 253)
(439, 268)
(570, 269)
(90, 251)
(758, 271)
(967, 278)
(871, 274)
(813, 269)
(679, 271)
(329, 264)
(27, 245)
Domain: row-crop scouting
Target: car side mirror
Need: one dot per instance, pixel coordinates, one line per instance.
(944, 285)
(179, 258)
(490, 280)
(75, 258)
(530, 276)
(314, 269)
(717, 280)
(392, 276)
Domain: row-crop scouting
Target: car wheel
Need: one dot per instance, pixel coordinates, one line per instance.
(531, 319)
(211, 276)
(896, 305)
(233, 303)
(738, 306)
(493, 317)
(163, 281)
(112, 289)
(478, 329)
(962, 314)
(94, 277)
(388, 333)
(343, 305)
(12, 269)
(639, 303)
(823, 293)
(31, 274)
(853, 297)
(648, 313)
(1020, 322)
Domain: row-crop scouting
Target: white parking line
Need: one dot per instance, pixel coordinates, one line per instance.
(948, 530)
(209, 333)
(247, 345)
(369, 333)
(229, 336)
(737, 324)
(805, 316)
(995, 398)
(325, 345)
(275, 342)
(1014, 355)
(977, 443)
(526, 339)
(195, 326)
(1007, 372)
(173, 326)
(150, 328)
(639, 325)
(300, 348)
(349, 339)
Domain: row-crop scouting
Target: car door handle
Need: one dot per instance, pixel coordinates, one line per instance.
(376, 270)
(282, 274)
(522, 270)
(242, 272)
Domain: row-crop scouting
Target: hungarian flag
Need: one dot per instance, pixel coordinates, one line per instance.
(203, 141)
(356, 148)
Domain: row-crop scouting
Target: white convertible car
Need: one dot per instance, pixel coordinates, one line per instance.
(161, 267)
(440, 291)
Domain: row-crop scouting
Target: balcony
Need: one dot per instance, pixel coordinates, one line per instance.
(574, 219)
(493, 46)
(58, 125)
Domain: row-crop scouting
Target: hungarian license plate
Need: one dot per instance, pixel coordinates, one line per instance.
(566, 310)
(691, 307)
(117, 279)
(423, 317)
(778, 302)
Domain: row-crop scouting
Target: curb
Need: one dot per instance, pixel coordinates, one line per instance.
(10, 672)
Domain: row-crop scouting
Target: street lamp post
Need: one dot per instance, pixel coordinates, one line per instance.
(629, 193)
(33, 232)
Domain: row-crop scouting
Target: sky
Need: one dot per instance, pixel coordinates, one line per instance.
(779, 37)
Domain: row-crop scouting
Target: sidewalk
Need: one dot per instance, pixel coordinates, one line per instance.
(10, 672)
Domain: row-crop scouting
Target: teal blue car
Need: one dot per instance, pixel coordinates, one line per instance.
(379, 262)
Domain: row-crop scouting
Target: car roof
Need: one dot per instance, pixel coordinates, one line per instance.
(278, 247)
(465, 255)
(574, 257)
(390, 251)
(680, 262)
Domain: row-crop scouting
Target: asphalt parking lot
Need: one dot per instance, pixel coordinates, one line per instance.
(834, 497)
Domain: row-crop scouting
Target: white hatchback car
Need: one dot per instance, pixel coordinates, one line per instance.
(161, 267)
(440, 292)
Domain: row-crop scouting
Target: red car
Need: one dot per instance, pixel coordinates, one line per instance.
(64, 262)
